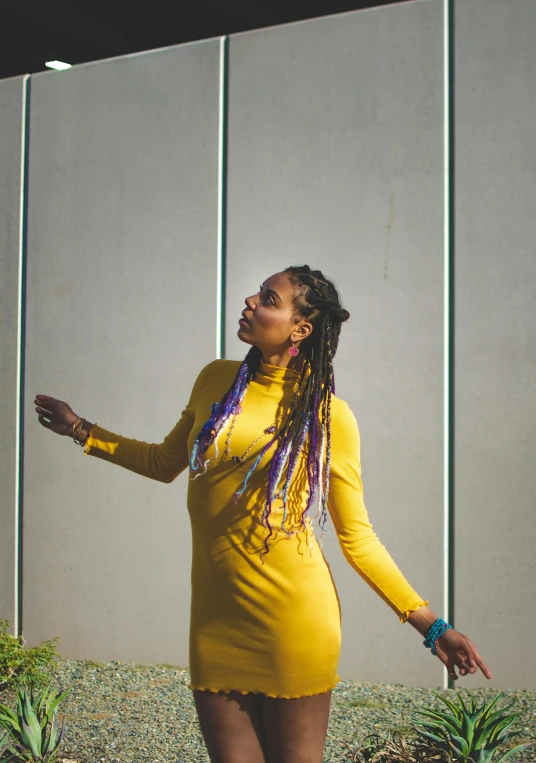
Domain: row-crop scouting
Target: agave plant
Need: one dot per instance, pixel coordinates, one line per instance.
(469, 734)
(29, 735)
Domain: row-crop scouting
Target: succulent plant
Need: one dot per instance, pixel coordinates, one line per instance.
(469, 734)
(29, 734)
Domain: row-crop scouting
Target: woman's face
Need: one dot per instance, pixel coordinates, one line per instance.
(270, 324)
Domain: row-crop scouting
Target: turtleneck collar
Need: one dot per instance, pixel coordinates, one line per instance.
(276, 373)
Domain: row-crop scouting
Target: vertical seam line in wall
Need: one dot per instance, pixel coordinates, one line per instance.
(21, 342)
(222, 197)
(448, 317)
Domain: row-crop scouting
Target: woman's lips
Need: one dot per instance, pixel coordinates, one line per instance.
(243, 321)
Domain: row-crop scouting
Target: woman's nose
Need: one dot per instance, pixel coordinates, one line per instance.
(250, 303)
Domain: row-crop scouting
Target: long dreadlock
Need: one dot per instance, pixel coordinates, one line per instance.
(316, 299)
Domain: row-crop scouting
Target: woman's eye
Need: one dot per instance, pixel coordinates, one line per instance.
(266, 297)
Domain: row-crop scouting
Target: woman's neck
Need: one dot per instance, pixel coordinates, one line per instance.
(285, 361)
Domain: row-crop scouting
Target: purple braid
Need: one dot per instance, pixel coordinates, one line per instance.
(309, 420)
(221, 412)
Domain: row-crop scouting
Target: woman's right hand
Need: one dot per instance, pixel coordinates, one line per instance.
(55, 415)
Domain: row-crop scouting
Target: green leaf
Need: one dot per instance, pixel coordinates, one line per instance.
(440, 725)
(457, 751)
(54, 704)
(513, 751)
(53, 710)
(468, 730)
(20, 693)
(433, 737)
(28, 740)
(461, 744)
(50, 702)
(455, 709)
(462, 704)
(484, 756)
(4, 737)
(49, 743)
(445, 718)
(8, 720)
(11, 725)
(33, 723)
(484, 732)
(486, 710)
(502, 727)
(7, 711)
(494, 717)
(481, 738)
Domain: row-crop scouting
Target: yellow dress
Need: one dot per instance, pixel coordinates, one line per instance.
(270, 626)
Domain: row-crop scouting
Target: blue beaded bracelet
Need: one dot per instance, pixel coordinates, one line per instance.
(436, 630)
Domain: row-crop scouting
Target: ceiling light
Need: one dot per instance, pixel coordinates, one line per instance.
(57, 65)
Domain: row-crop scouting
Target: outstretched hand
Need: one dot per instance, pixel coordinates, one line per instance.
(54, 414)
(455, 649)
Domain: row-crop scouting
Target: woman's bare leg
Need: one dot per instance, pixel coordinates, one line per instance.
(231, 724)
(295, 729)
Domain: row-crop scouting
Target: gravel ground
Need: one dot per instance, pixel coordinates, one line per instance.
(123, 713)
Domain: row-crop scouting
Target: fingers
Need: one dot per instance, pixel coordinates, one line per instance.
(43, 399)
(451, 667)
(44, 410)
(456, 650)
(43, 421)
(463, 666)
(44, 403)
(481, 664)
(469, 660)
(473, 659)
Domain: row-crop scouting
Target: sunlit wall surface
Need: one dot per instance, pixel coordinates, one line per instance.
(161, 188)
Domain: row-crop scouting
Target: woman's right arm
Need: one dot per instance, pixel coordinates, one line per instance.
(159, 461)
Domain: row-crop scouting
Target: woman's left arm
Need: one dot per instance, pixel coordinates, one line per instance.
(369, 557)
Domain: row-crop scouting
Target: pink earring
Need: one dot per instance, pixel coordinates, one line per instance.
(294, 351)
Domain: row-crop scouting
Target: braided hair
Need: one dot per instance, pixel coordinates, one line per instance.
(315, 299)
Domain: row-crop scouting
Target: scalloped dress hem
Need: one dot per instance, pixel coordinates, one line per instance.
(266, 694)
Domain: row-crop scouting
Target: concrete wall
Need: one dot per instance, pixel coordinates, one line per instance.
(12, 108)
(495, 337)
(335, 157)
(122, 254)
(326, 171)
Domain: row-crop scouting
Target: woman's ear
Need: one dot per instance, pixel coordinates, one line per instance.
(302, 332)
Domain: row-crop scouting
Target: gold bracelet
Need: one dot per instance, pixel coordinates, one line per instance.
(76, 423)
(79, 442)
(80, 428)
(76, 437)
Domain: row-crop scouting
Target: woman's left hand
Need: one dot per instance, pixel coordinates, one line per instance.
(455, 649)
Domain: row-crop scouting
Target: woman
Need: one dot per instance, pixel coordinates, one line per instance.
(263, 439)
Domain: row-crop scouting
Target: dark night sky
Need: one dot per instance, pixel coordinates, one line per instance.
(76, 32)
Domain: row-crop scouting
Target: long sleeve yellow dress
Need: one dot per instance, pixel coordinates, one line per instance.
(271, 626)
